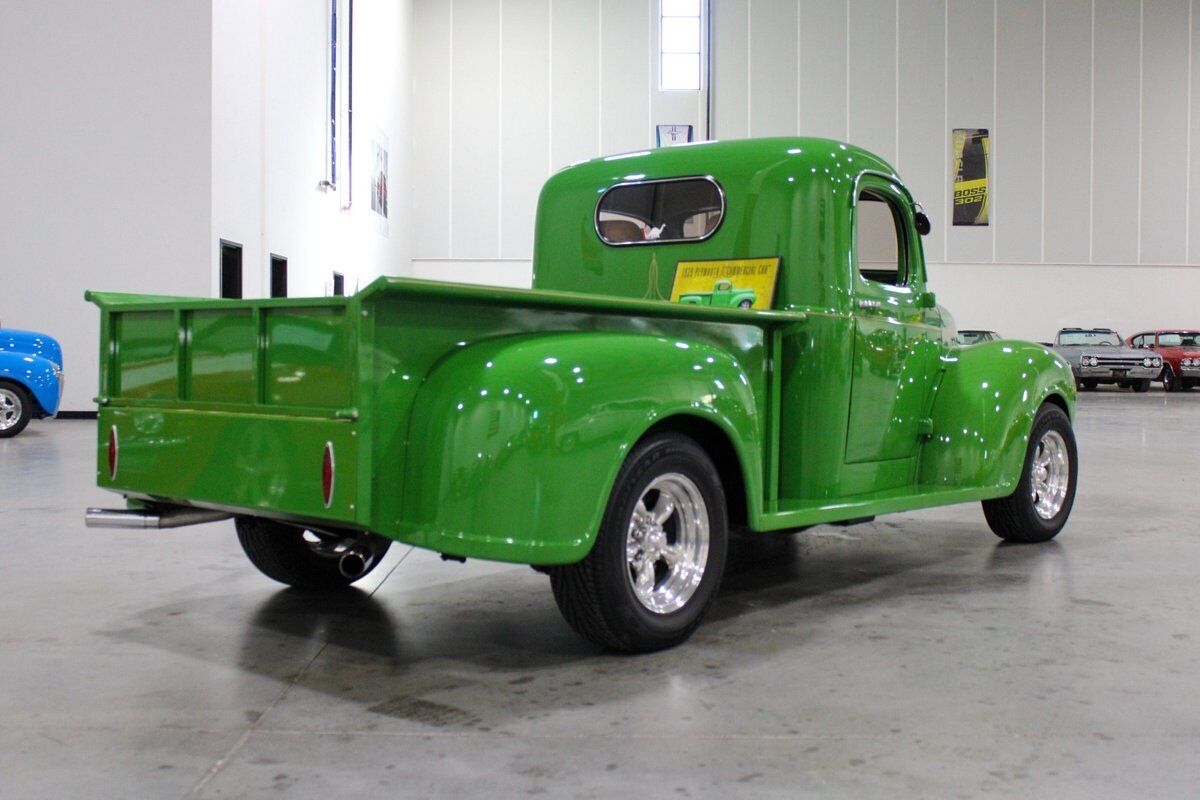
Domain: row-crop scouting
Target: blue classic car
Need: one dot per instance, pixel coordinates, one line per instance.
(31, 379)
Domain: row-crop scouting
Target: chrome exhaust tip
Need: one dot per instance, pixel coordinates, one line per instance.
(355, 562)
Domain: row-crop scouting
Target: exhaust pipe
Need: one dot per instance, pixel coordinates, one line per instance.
(172, 517)
(355, 562)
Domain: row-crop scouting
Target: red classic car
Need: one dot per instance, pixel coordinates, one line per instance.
(1180, 351)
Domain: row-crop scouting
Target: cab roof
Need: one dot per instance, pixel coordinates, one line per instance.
(821, 159)
(786, 197)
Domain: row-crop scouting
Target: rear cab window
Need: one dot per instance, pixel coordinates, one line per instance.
(660, 212)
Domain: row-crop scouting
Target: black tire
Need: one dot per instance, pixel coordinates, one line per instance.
(16, 408)
(282, 553)
(596, 595)
(1188, 385)
(1089, 384)
(1014, 518)
(1169, 381)
(746, 304)
(1125, 385)
(1141, 386)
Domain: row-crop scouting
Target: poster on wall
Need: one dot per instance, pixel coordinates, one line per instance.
(669, 135)
(379, 181)
(726, 283)
(970, 165)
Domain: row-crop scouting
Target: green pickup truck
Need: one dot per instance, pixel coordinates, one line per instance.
(588, 427)
(722, 295)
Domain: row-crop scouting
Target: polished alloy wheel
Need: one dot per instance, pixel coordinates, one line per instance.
(10, 408)
(1051, 475)
(667, 543)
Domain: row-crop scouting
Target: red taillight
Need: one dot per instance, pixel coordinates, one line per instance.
(112, 453)
(327, 474)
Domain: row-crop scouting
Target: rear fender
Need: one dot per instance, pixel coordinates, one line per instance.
(983, 412)
(514, 443)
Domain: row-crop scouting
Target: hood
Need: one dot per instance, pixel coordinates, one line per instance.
(29, 343)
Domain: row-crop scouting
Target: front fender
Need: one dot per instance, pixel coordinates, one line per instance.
(37, 374)
(514, 443)
(983, 412)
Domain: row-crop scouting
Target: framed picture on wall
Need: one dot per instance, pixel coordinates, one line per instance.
(971, 171)
(669, 135)
(379, 181)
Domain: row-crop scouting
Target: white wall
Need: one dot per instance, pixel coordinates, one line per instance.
(1094, 217)
(1093, 106)
(269, 143)
(105, 148)
(505, 93)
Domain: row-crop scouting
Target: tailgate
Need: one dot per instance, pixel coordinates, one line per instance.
(230, 403)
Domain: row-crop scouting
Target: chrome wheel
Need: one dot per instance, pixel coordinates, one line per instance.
(10, 408)
(667, 543)
(1051, 475)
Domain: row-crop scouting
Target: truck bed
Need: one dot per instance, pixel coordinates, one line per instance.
(229, 404)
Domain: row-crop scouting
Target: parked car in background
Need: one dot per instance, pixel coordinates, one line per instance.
(1180, 353)
(30, 379)
(977, 336)
(1099, 355)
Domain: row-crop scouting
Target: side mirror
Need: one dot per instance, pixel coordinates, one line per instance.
(927, 300)
(921, 223)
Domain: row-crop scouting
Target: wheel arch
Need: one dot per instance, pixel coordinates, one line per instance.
(37, 377)
(718, 445)
(1056, 399)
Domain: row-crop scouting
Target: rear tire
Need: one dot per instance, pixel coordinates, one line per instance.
(659, 555)
(1141, 386)
(290, 555)
(1038, 508)
(16, 408)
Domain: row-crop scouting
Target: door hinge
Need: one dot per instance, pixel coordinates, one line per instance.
(925, 428)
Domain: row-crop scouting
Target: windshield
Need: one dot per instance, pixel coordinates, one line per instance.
(1179, 339)
(975, 337)
(1092, 338)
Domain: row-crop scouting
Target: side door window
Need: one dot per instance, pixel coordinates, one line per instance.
(881, 243)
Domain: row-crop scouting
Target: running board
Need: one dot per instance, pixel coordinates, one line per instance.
(173, 517)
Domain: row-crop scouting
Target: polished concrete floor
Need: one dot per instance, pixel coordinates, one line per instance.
(911, 657)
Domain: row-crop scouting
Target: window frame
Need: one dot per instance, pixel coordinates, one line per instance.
(903, 245)
(661, 242)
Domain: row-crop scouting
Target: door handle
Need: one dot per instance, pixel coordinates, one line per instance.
(870, 303)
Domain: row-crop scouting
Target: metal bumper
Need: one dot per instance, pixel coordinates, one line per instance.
(1102, 372)
(175, 517)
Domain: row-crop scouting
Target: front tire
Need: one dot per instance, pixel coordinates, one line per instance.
(1169, 381)
(1141, 386)
(659, 555)
(1038, 508)
(16, 408)
(1089, 384)
(308, 560)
